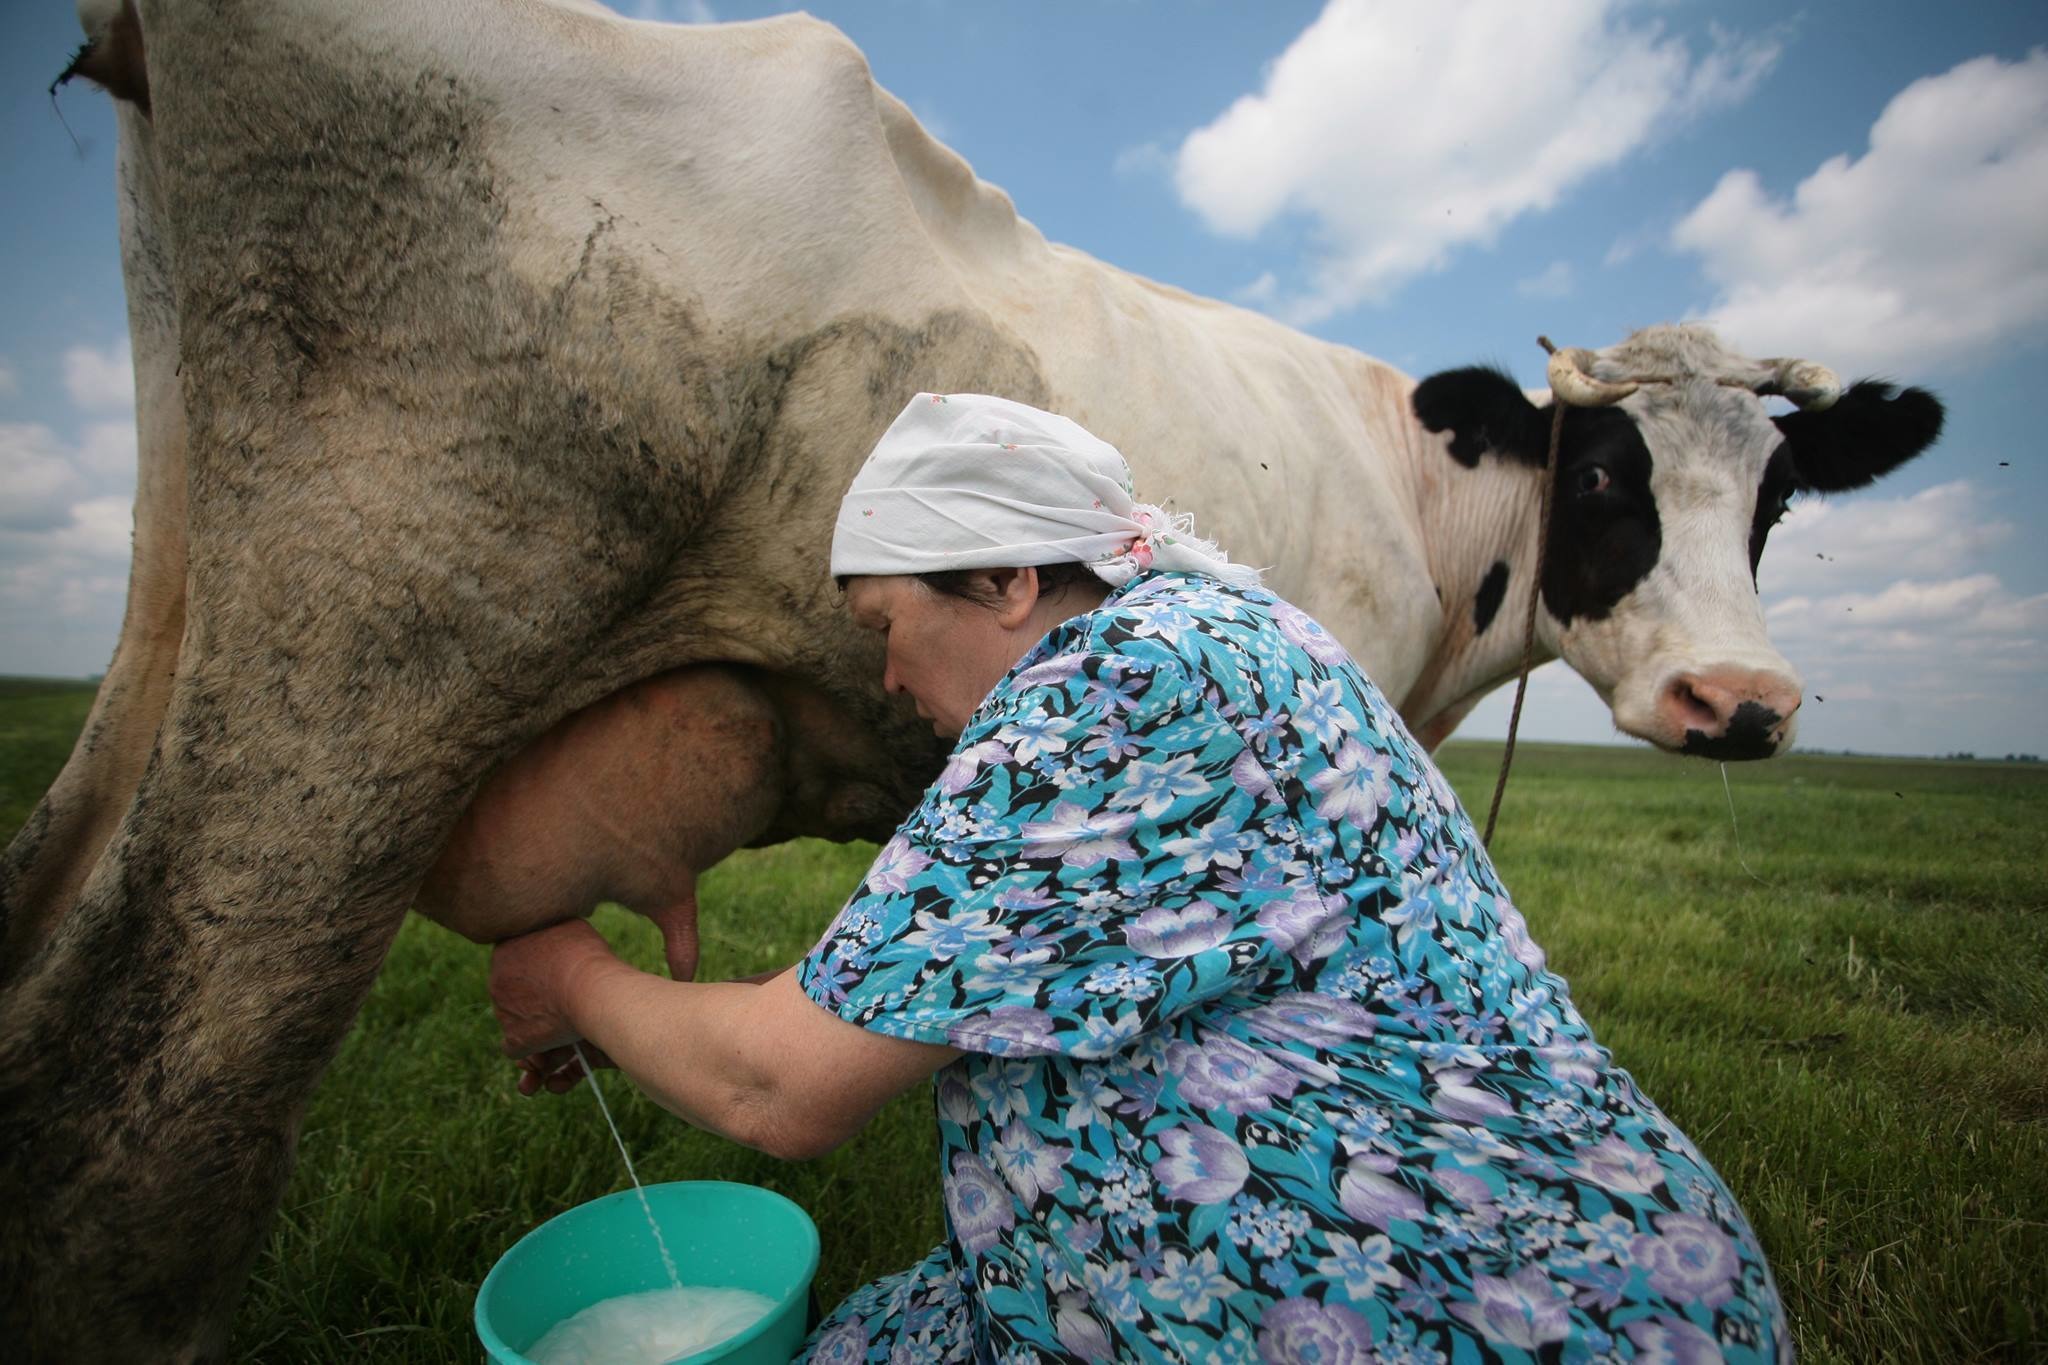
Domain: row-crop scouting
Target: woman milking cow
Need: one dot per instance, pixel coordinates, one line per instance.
(1240, 1049)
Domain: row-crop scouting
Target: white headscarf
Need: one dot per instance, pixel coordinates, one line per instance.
(966, 481)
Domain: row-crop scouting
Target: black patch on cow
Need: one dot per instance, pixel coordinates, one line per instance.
(1873, 429)
(1491, 589)
(1604, 531)
(1749, 736)
(1484, 411)
(1773, 497)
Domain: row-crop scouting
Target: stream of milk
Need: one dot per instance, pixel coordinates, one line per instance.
(668, 1262)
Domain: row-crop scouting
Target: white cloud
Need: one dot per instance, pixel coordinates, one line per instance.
(1475, 113)
(38, 475)
(106, 453)
(1554, 281)
(1921, 637)
(66, 514)
(1899, 632)
(98, 379)
(42, 475)
(1832, 545)
(1731, 71)
(100, 529)
(1629, 245)
(1907, 602)
(1928, 249)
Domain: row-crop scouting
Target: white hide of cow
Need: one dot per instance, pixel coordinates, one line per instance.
(1294, 454)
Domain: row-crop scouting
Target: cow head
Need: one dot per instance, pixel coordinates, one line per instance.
(1670, 475)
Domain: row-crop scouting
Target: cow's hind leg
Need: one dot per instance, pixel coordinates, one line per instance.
(47, 862)
(156, 1056)
(389, 590)
(332, 713)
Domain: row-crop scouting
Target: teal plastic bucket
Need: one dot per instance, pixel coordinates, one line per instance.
(720, 1233)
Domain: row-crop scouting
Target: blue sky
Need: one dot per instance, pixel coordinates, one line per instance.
(1434, 184)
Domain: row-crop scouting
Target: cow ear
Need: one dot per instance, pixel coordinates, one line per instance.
(1873, 429)
(1483, 410)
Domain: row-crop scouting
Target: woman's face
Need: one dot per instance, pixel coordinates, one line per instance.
(945, 653)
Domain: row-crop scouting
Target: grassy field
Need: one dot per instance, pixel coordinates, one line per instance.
(1854, 1027)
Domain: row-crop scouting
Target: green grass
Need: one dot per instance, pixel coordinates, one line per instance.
(39, 718)
(1854, 1034)
(1852, 1029)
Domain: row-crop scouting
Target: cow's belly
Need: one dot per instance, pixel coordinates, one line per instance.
(632, 798)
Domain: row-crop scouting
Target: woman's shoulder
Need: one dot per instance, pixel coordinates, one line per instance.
(1125, 656)
(1200, 624)
(1184, 636)
(1164, 608)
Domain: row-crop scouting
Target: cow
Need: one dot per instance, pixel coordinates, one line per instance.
(499, 368)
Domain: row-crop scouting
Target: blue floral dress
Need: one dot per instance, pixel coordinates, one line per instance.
(1261, 1062)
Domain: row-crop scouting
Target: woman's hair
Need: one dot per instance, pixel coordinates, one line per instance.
(1053, 579)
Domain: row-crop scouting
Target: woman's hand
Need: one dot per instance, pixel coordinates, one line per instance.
(531, 977)
(557, 1070)
(764, 1064)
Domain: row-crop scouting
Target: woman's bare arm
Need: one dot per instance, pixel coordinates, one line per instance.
(763, 1065)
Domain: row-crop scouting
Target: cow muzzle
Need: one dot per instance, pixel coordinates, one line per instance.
(1726, 713)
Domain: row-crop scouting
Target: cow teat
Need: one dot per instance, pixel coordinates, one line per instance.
(112, 55)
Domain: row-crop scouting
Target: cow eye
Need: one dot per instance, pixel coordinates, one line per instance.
(1592, 479)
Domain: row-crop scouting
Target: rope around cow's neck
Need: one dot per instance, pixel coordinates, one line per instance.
(1507, 756)
(1557, 407)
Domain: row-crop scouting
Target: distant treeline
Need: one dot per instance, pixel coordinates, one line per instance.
(1960, 756)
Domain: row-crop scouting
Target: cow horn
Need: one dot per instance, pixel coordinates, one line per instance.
(1806, 383)
(1571, 379)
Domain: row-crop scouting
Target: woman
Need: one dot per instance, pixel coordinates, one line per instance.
(1241, 1051)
